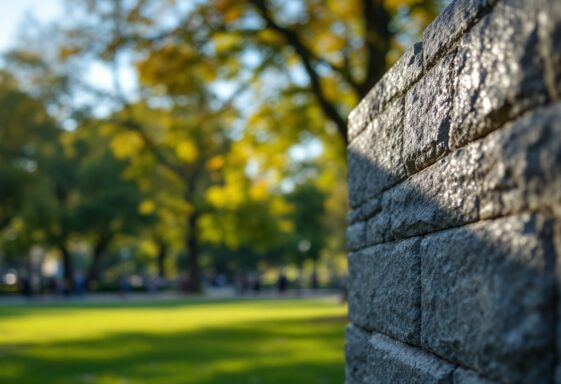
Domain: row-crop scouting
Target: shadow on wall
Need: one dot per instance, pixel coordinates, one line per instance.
(457, 259)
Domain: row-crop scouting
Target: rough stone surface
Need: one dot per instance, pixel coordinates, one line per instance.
(466, 376)
(557, 243)
(399, 78)
(356, 236)
(509, 171)
(375, 358)
(488, 304)
(376, 155)
(499, 71)
(384, 290)
(442, 196)
(520, 165)
(428, 108)
(455, 189)
(356, 355)
(450, 24)
(365, 211)
(390, 361)
(378, 226)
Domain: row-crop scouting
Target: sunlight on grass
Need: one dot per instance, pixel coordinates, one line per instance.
(181, 342)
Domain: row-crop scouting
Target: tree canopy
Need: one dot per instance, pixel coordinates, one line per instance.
(229, 139)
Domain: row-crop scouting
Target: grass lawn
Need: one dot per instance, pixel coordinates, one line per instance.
(266, 341)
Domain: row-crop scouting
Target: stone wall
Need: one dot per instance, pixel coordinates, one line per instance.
(454, 231)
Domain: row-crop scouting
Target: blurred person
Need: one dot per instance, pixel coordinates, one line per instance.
(256, 283)
(25, 284)
(52, 285)
(343, 288)
(152, 283)
(282, 283)
(314, 281)
(79, 283)
(123, 286)
(220, 280)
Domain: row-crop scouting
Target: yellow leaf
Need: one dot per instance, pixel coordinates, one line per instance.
(215, 163)
(210, 230)
(225, 41)
(268, 36)
(206, 72)
(186, 151)
(67, 52)
(126, 144)
(106, 129)
(330, 88)
(331, 43)
(67, 141)
(343, 9)
(286, 226)
(216, 196)
(259, 191)
(232, 14)
(146, 207)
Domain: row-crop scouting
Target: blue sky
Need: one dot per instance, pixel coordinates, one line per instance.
(12, 12)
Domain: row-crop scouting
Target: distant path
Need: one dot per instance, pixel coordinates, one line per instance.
(137, 297)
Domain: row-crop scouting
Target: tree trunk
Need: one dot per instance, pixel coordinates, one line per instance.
(193, 254)
(98, 252)
(161, 260)
(68, 268)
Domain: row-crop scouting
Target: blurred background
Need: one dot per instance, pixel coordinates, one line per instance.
(154, 149)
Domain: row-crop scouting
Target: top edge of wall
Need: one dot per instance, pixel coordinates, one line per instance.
(454, 21)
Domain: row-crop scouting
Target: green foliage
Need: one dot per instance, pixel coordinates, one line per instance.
(233, 146)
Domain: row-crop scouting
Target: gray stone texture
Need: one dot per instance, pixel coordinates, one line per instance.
(356, 355)
(384, 289)
(428, 108)
(557, 244)
(511, 170)
(376, 155)
(390, 361)
(441, 196)
(395, 82)
(466, 376)
(356, 236)
(520, 165)
(499, 71)
(378, 226)
(455, 189)
(375, 358)
(488, 297)
(365, 211)
(450, 25)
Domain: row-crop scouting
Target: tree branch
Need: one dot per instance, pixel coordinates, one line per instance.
(377, 36)
(307, 57)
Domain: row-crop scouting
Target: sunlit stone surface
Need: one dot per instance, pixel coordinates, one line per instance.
(455, 188)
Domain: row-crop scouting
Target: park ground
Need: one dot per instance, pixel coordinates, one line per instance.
(173, 341)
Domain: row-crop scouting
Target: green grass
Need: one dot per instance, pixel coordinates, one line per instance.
(267, 341)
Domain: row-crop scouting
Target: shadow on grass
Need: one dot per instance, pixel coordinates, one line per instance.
(30, 307)
(297, 351)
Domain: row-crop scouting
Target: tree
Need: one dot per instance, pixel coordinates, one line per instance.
(186, 153)
(109, 205)
(308, 216)
(332, 51)
(29, 146)
(228, 90)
